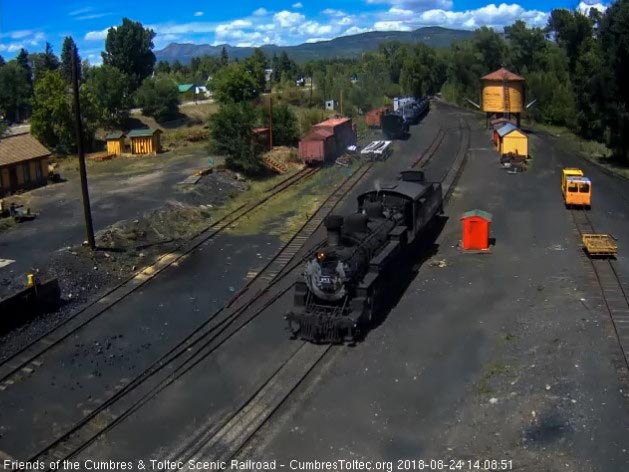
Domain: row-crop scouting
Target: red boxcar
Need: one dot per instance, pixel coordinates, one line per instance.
(372, 118)
(327, 140)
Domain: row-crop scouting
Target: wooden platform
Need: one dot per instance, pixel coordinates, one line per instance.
(599, 244)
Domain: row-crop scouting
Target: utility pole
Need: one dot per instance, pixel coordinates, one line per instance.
(341, 102)
(270, 122)
(89, 227)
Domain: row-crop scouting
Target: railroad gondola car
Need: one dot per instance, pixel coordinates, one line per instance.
(343, 287)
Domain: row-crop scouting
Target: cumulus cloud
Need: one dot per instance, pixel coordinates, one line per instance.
(584, 7)
(489, 15)
(288, 26)
(298, 5)
(286, 19)
(198, 13)
(96, 35)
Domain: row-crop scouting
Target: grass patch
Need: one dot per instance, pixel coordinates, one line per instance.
(6, 224)
(285, 213)
(490, 372)
(593, 151)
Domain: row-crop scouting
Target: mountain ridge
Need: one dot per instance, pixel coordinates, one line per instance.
(340, 47)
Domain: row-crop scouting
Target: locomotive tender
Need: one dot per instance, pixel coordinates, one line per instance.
(339, 294)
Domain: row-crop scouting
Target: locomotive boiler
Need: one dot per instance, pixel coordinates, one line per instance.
(339, 295)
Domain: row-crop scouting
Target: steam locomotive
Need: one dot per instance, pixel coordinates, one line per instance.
(339, 295)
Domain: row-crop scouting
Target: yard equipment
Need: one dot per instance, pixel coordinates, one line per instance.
(377, 151)
(599, 245)
(577, 191)
(569, 172)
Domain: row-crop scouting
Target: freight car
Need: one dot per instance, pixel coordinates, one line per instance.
(393, 126)
(326, 141)
(343, 287)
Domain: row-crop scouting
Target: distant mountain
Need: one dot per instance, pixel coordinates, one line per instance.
(344, 46)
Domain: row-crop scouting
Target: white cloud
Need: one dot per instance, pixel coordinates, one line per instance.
(489, 15)
(584, 7)
(96, 35)
(289, 27)
(355, 30)
(81, 11)
(198, 13)
(298, 5)
(391, 26)
(18, 34)
(286, 19)
(333, 12)
(416, 5)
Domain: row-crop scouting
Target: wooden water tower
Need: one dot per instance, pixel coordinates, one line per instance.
(503, 94)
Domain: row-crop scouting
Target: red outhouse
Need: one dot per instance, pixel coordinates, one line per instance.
(476, 230)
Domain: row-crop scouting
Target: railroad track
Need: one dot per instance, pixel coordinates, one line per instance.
(424, 158)
(202, 342)
(614, 293)
(222, 442)
(23, 363)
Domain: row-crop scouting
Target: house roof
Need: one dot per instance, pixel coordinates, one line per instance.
(333, 122)
(506, 129)
(185, 87)
(114, 135)
(139, 133)
(19, 148)
(503, 74)
(260, 130)
(480, 213)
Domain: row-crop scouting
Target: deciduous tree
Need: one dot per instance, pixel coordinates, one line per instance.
(159, 98)
(129, 48)
(232, 136)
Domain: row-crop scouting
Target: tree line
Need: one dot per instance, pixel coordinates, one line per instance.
(576, 69)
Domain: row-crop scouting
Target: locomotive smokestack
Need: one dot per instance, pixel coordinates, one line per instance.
(333, 224)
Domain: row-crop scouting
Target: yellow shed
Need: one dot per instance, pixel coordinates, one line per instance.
(512, 140)
(23, 163)
(115, 143)
(145, 141)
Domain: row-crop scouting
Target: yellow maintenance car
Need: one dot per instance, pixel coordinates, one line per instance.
(576, 188)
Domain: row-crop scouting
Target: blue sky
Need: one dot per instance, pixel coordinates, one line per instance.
(31, 23)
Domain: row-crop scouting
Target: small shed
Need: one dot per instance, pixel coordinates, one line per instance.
(330, 105)
(23, 163)
(512, 140)
(476, 225)
(262, 136)
(145, 141)
(115, 143)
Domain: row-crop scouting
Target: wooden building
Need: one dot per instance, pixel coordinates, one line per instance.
(503, 94)
(512, 140)
(145, 141)
(23, 163)
(115, 143)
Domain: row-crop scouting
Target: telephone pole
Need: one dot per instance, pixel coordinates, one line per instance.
(271, 122)
(87, 212)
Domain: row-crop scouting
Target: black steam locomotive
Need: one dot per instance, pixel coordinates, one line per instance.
(338, 296)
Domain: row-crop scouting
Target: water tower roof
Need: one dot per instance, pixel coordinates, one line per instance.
(502, 74)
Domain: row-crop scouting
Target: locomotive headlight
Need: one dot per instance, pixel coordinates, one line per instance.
(321, 256)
